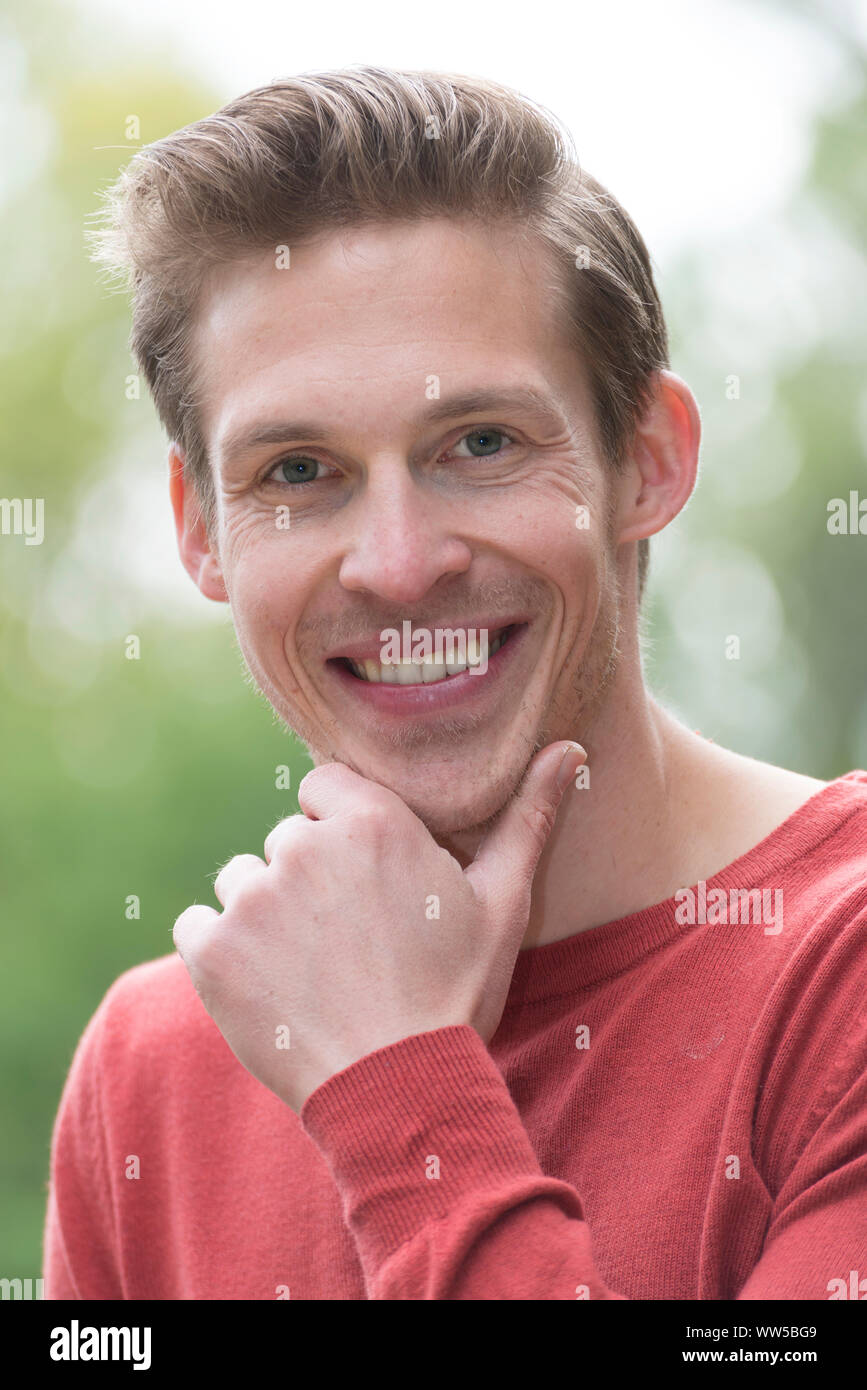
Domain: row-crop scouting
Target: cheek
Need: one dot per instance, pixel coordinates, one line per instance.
(560, 539)
(267, 587)
(564, 540)
(559, 513)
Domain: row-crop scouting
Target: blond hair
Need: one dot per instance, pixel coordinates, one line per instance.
(363, 144)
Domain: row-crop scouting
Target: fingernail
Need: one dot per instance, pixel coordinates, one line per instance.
(573, 758)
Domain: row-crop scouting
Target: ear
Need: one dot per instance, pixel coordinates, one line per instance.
(194, 547)
(664, 461)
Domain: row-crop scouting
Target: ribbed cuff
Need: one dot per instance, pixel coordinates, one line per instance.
(410, 1129)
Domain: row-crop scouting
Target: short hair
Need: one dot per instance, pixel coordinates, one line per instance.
(318, 151)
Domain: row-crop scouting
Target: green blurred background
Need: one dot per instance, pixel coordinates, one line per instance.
(140, 777)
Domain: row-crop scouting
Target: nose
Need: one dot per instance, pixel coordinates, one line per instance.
(402, 537)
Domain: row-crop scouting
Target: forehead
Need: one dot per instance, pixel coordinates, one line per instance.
(362, 317)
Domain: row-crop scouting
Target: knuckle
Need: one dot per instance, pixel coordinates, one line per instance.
(202, 948)
(192, 921)
(210, 958)
(325, 770)
(179, 927)
(284, 835)
(281, 826)
(539, 820)
(245, 896)
(224, 869)
(373, 818)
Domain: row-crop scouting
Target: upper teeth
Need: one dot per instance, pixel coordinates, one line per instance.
(425, 672)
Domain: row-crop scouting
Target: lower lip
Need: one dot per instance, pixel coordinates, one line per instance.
(463, 690)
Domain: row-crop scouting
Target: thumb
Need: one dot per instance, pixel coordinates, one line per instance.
(506, 860)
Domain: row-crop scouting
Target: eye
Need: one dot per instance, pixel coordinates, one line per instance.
(484, 443)
(298, 468)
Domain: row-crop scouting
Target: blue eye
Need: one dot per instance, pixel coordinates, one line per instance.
(299, 469)
(296, 470)
(489, 442)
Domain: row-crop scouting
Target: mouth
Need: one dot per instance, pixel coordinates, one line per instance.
(428, 686)
(429, 671)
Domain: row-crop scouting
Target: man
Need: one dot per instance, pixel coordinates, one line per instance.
(496, 1016)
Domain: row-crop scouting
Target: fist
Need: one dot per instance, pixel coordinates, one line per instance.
(356, 929)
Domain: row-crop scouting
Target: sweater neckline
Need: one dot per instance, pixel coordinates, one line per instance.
(600, 953)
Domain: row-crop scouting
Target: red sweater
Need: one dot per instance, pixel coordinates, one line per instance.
(669, 1109)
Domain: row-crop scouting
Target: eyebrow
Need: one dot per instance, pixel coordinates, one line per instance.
(526, 399)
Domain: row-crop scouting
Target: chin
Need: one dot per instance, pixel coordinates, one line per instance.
(445, 812)
(449, 795)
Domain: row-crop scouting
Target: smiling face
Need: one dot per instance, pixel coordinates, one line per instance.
(405, 392)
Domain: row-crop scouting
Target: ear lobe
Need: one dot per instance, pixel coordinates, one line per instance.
(194, 545)
(664, 460)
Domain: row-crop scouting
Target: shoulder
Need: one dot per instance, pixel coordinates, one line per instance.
(149, 1015)
(816, 861)
(154, 996)
(809, 836)
(818, 1041)
(826, 836)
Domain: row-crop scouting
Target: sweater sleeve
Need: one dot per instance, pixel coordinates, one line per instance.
(79, 1246)
(444, 1195)
(816, 1243)
(440, 1184)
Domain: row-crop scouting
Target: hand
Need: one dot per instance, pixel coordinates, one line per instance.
(358, 929)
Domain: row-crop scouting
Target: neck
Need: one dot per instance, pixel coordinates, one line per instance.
(614, 846)
(623, 842)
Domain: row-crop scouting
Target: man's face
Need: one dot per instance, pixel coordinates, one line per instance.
(407, 503)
